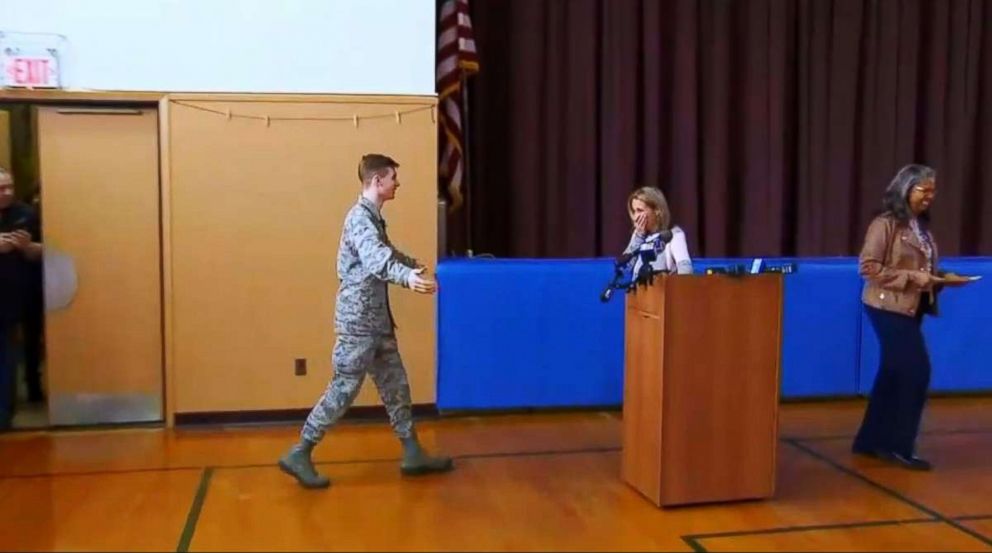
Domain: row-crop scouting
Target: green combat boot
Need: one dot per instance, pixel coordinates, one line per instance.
(297, 464)
(416, 462)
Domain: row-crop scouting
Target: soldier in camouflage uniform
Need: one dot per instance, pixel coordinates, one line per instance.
(363, 323)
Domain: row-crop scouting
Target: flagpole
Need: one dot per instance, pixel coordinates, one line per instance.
(466, 157)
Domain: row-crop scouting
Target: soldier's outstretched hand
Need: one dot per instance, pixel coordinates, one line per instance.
(420, 283)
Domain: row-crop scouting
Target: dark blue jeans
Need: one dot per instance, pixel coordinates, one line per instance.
(899, 394)
(7, 369)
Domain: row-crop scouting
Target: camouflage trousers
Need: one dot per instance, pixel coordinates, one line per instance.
(353, 357)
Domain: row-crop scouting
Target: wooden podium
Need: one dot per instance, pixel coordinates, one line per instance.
(701, 388)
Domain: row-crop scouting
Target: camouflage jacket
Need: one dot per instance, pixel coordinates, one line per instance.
(367, 263)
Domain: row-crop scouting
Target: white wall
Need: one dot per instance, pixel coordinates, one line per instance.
(343, 46)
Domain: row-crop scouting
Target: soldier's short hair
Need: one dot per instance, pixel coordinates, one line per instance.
(375, 164)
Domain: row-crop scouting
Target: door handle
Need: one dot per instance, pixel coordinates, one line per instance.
(99, 111)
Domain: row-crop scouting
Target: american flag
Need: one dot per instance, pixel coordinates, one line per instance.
(456, 59)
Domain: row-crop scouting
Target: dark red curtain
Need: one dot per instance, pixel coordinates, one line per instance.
(773, 126)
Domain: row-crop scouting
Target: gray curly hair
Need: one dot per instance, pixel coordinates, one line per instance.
(896, 199)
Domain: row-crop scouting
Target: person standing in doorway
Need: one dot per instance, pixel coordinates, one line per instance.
(18, 250)
(33, 320)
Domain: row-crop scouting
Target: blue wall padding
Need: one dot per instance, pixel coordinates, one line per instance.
(521, 333)
(526, 333)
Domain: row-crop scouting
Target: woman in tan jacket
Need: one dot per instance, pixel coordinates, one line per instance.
(899, 263)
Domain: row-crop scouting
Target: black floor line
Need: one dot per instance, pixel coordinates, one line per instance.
(194, 511)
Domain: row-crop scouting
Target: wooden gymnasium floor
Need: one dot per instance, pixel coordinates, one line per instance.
(522, 482)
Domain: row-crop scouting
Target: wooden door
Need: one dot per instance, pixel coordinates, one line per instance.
(101, 206)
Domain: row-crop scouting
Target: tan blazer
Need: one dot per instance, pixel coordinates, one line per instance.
(894, 265)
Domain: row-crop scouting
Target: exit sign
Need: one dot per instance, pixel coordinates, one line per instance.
(36, 69)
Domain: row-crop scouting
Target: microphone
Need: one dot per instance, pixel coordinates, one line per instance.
(606, 294)
(647, 253)
(651, 249)
(624, 258)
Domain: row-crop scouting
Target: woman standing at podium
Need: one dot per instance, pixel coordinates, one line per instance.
(899, 264)
(652, 222)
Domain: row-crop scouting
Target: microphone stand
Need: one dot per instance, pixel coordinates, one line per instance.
(645, 276)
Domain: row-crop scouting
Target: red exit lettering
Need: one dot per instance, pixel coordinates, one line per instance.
(29, 71)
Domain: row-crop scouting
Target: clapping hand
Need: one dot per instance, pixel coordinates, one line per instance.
(20, 238)
(7, 242)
